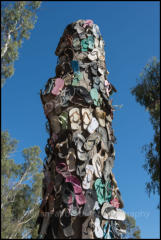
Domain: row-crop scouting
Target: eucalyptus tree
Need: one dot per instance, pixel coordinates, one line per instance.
(17, 20)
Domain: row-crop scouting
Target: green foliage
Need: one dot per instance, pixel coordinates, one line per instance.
(147, 93)
(20, 190)
(132, 231)
(17, 20)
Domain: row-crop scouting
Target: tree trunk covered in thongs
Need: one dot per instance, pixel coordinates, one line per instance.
(80, 195)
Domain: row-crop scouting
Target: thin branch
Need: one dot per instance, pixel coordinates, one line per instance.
(4, 49)
(19, 224)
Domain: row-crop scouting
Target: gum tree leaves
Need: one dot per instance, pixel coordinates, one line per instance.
(147, 93)
(17, 20)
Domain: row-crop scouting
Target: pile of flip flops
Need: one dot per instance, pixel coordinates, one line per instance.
(81, 198)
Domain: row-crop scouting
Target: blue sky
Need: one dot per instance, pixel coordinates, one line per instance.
(131, 34)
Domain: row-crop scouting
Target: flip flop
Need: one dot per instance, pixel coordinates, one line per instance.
(54, 123)
(59, 84)
(74, 116)
(49, 85)
(62, 169)
(108, 167)
(93, 125)
(65, 221)
(109, 212)
(115, 202)
(88, 23)
(118, 228)
(68, 79)
(81, 172)
(92, 141)
(98, 165)
(88, 228)
(83, 93)
(103, 191)
(94, 54)
(79, 141)
(91, 198)
(98, 230)
(87, 117)
(104, 142)
(101, 116)
(88, 177)
(66, 95)
(63, 119)
(94, 95)
(74, 209)
(62, 149)
(71, 160)
(67, 193)
(80, 198)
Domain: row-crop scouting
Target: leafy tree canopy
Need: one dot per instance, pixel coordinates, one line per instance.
(17, 20)
(132, 231)
(147, 93)
(20, 190)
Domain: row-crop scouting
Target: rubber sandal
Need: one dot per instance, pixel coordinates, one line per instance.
(84, 43)
(98, 165)
(83, 92)
(74, 209)
(79, 28)
(93, 69)
(96, 31)
(62, 149)
(63, 119)
(118, 195)
(58, 182)
(68, 79)
(66, 95)
(98, 230)
(79, 142)
(80, 198)
(118, 228)
(104, 142)
(62, 169)
(92, 140)
(90, 42)
(93, 125)
(115, 202)
(71, 160)
(107, 233)
(69, 53)
(49, 85)
(92, 56)
(91, 198)
(65, 221)
(74, 116)
(54, 123)
(87, 117)
(76, 44)
(88, 177)
(67, 193)
(88, 23)
(80, 171)
(101, 116)
(109, 212)
(108, 131)
(88, 228)
(108, 165)
(94, 95)
(103, 191)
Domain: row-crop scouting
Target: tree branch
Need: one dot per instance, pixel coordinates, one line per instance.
(4, 49)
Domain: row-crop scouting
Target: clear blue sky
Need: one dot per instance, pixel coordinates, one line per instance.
(131, 34)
